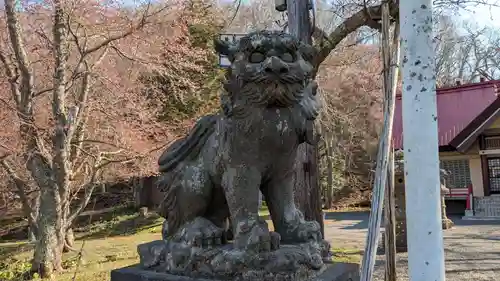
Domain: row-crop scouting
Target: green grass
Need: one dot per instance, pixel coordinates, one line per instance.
(105, 245)
(264, 211)
(347, 209)
(347, 255)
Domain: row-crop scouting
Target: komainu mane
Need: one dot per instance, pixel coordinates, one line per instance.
(216, 172)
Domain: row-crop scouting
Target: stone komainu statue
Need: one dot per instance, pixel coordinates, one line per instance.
(216, 172)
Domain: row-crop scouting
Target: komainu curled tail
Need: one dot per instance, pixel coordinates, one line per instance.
(188, 147)
(185, 192)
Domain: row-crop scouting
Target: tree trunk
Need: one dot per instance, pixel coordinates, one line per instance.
(48, 252)
(316, 208)
(32, 235)
(50, 243)
(32, 228)
(329, 175)
(47, 257)
(138, 194)
(307, 193)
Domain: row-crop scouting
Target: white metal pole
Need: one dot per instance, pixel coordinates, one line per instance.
(421, 159)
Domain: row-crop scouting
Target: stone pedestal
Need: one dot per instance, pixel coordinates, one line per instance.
(136, 273)
(290, 262)
(331, 272)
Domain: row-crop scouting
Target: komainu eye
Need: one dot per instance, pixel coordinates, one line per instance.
(287, 57)
(257, 57)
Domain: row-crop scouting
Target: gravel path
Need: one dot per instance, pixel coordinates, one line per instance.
(472, 248)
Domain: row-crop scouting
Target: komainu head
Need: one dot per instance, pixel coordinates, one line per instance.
(268, 69)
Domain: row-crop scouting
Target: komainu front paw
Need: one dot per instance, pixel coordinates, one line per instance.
(152, 253)
(200, 232)
(303, 231)
(255, 236)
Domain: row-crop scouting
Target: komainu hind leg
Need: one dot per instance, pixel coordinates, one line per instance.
(186, 206)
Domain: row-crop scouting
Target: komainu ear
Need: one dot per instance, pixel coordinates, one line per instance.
(223, 47)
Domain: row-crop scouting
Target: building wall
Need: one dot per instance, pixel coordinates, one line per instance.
(476, 175)
(495, 125)
(476, 172)
(475, 166)
(487, 206)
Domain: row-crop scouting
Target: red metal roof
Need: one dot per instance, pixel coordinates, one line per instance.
(456, 108)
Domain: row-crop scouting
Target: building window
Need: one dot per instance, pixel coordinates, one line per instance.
(458, 173)
(492, 142)
(494, 174)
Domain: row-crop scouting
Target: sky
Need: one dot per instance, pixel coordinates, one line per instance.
(483, 15)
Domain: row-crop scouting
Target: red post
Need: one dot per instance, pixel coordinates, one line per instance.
(469, 198)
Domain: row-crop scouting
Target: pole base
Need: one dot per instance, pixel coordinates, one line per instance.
(447, 223)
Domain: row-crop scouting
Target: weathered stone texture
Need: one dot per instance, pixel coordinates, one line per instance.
(212, 178)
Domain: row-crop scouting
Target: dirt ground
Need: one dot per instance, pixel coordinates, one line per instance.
(472, 248)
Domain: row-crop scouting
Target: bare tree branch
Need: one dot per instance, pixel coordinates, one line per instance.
(23, 63)
(89, 189)
(146, 15)
(20, 185)
(367, 16)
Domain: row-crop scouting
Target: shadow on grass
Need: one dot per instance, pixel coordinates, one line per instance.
(122, 226)
(88, 218)
(10, 249)
(12, 230)
(15, 229)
